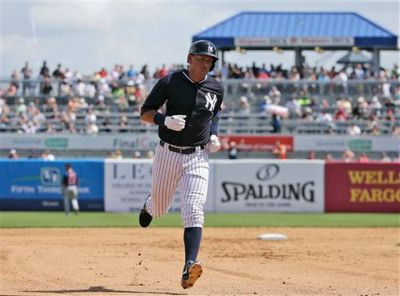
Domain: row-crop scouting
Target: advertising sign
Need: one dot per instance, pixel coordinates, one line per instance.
(342, 143)
(269, 186)
(36, 184)
(80, 142)
(127, 184)
(362, 187)
(257, 143)
(293, 41)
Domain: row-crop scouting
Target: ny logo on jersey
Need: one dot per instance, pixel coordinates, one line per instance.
(211, 101)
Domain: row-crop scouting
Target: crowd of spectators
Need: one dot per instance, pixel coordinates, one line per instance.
(70, 102)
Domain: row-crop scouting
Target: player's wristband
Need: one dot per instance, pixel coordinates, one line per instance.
(159, 118)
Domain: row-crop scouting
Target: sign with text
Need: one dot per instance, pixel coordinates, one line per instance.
(36, 184)
(293, 41)
(362, 187)
(132, 141)
(342, 143)
(127, 184)
(257, 143)
(269, 186)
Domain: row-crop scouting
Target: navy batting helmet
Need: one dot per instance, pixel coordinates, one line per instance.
(204, 47)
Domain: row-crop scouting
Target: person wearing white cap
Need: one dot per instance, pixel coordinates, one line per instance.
(13, 154)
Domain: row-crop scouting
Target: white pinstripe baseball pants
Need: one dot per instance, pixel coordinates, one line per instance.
(188, 171)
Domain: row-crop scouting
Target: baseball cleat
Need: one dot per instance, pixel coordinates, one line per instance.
(144, 217)
(191, 273)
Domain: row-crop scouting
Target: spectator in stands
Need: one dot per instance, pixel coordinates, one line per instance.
(26, 72)
(279, 150)
(29, 127)
(58, 73)
(38, 117)
(69, 120)
(360, 109)
(275, 95)
(150, 154)
(311, 154)
(123, 123)
(100, 103)
(21, 107)
(137, 155)
(353, 129)
(244, 106)
(348, 156)
(294, 108)
(145, 72)
(4, 115)
(50, 129)
(103, 73)
(92, 128)
(51, 107)
(106, 125)
(340, 115)
(385, 157)
(363, 158)
(12, 89)
(359, 72)
(103, 88)
(397, 96)
(90, 117)
(46, 155)
(375, 107)
(45, 86)
(328, 157)
(233, 152)
(118, 154)
(13, 154)
(276, 124)
(131, 73)
(44, 70)
(79, 88)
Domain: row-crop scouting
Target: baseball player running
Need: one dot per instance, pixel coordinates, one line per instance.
(188, 132)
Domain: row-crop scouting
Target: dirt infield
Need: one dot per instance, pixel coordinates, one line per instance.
(133, 261)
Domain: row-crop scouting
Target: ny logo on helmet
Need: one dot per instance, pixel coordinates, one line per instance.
(210, 48)
(211, 101)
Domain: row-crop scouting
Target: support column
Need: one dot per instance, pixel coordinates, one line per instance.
(376, 61)
(298, 57)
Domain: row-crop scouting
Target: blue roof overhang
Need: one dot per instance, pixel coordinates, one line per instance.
(291, 30)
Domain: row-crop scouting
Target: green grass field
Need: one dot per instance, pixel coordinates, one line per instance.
(100, 219)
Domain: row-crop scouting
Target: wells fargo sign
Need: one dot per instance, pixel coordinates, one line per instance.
(362, 187)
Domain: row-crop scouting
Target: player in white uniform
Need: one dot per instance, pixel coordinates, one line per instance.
(188, 132)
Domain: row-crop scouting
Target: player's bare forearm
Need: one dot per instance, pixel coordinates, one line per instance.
(148, 116)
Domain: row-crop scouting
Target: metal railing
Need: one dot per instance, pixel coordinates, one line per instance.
(233, 87)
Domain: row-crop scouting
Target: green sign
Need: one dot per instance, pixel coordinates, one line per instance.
(56, 142)
(360, 145)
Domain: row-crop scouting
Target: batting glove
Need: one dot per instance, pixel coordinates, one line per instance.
(175, 122)
(213, 145)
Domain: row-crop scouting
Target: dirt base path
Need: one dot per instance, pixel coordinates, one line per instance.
(135, 261)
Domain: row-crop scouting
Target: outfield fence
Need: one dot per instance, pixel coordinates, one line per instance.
(261, 185)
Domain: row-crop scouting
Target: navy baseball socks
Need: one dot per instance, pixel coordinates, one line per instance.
(144, 217)
(192, 269)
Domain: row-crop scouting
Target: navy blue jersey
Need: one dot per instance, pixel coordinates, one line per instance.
(200, 102)
(70, 178)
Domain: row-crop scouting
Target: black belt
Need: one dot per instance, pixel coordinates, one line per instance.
(189, 150)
